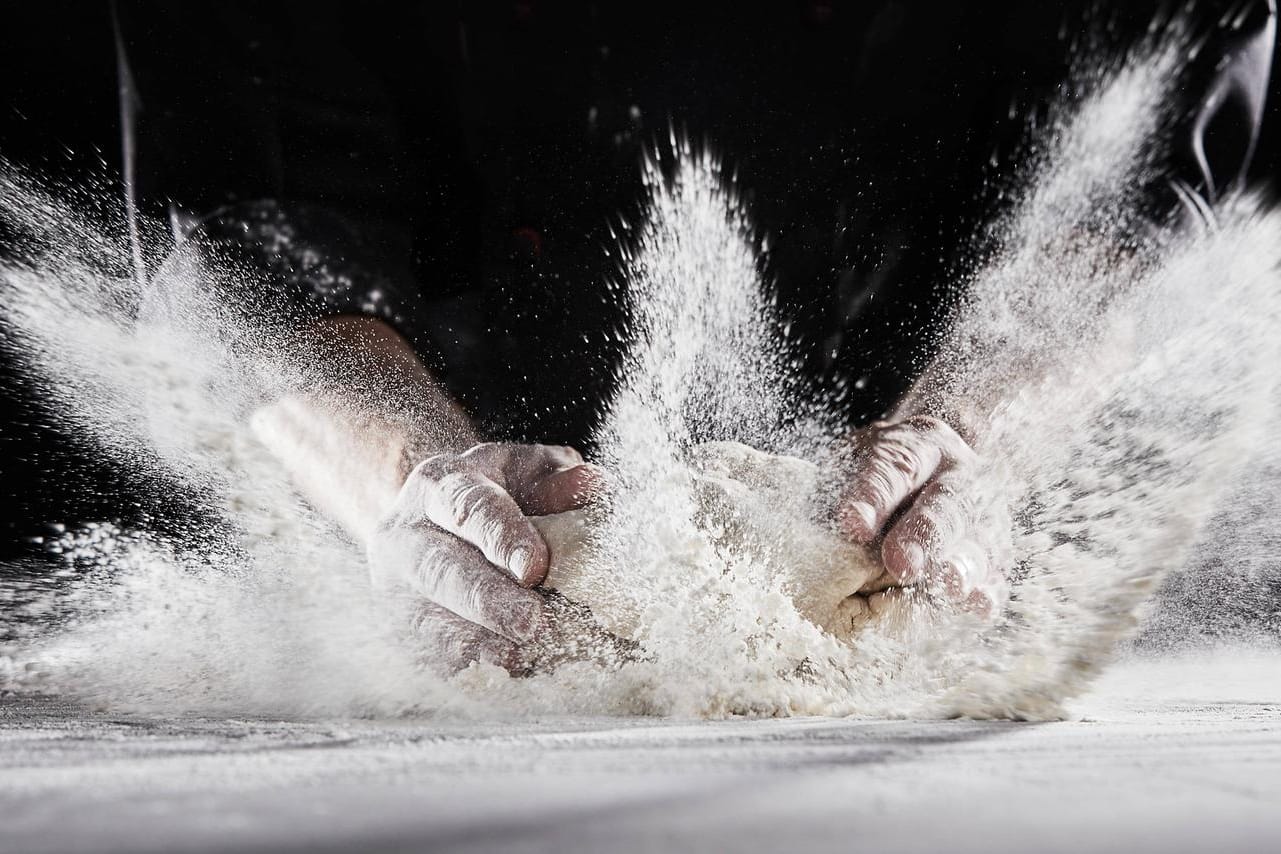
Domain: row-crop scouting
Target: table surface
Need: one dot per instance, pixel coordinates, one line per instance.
(1181, 755)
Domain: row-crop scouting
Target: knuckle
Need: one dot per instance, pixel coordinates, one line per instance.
(926, 425)
(434, 469)
(436, 572)
(941, 435)
(490, 531)
(489, 591)
(899, 458)
(879, 491)
(473, 599)
(561, 456)
(888, 474)
(468, 590)
(424, 621)
(427, 576)
(484, 454)
(454, 650)
(466, 499)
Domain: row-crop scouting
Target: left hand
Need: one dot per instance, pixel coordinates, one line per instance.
(458, 541)
(914, 485)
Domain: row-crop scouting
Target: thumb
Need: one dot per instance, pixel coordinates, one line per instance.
(566, 489)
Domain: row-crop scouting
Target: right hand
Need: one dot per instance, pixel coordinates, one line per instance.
(913, 490)
(457, 541)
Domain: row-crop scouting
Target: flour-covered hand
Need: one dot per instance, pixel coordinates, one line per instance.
(459, 542)
(913, 488)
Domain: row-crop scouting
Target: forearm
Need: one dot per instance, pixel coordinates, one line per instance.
(349, 440)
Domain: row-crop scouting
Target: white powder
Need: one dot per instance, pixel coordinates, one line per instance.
(751, 508)
(1116, 381)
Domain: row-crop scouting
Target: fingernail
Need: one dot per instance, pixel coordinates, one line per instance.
(519, 561)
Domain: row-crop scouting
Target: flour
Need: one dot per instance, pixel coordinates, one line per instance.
(751, 505)
(1116, 378)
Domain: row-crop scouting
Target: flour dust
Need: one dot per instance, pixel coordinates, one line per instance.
(1116, 372)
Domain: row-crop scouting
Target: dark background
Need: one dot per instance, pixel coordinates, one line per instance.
(480, 148)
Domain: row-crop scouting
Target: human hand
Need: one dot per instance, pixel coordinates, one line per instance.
(913, 484)
(457, 540)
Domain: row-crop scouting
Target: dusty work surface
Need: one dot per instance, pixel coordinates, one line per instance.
(1165, 757)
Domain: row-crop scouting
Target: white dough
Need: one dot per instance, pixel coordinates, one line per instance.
(755, 505)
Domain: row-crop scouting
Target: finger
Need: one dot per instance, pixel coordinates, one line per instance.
(522, 466)
(917, 544)
(521, 463)
(466, 503)
(898, 461)
(558, 456)
(449, 643)
(567, 489)
(458, 577)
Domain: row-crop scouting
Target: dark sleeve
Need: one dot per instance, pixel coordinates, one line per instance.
(258, 129)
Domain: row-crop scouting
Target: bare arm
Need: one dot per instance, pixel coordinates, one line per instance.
(349, 450)
(379, 446)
